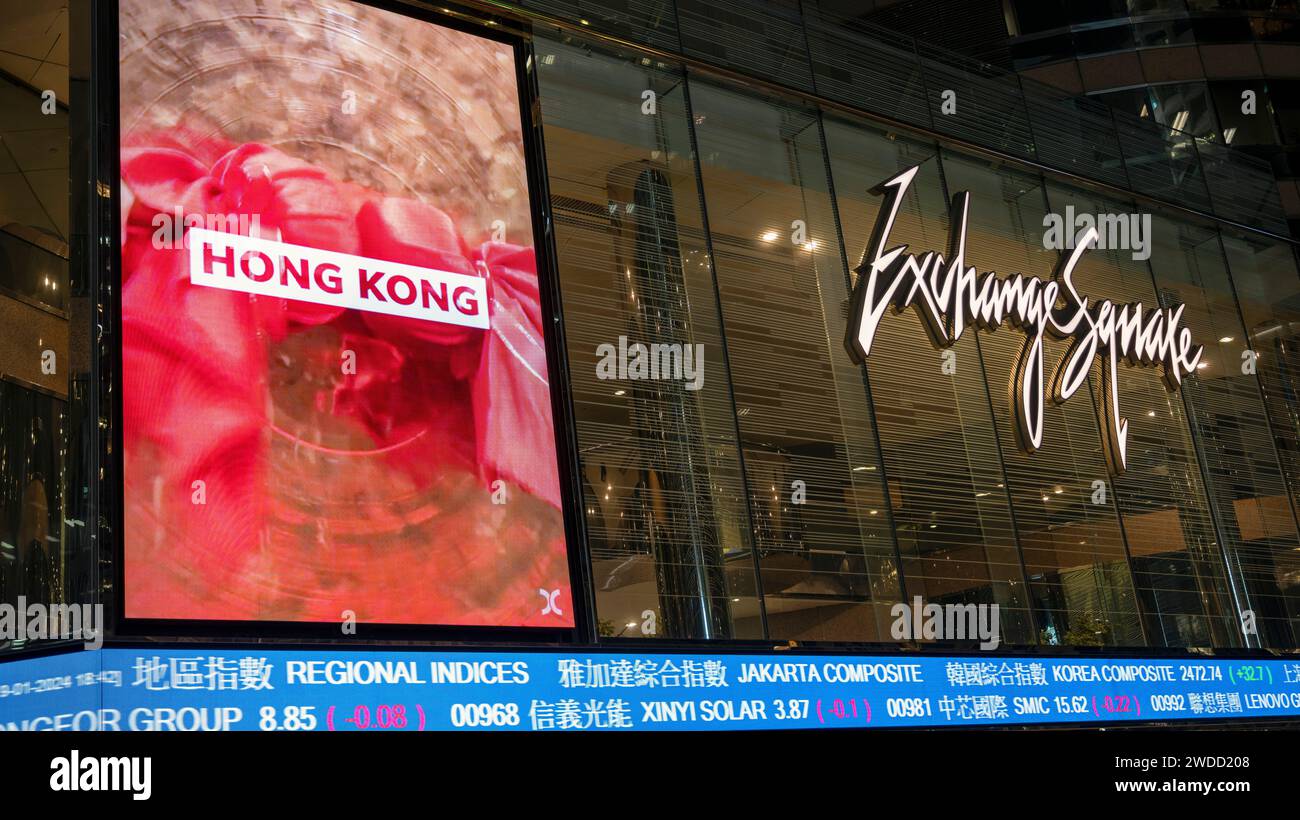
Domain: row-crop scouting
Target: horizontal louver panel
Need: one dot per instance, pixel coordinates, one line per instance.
(651, 22)
(763, 38)
(1242, 187)
(1076, 135)
(973, 104)
(874, 75)
(884, 72)
(1161, 163)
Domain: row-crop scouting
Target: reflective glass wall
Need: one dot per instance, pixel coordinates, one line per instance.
(48, 423)
(666, 504)
(948, 499)
(1067, 526)
(783, 492)
(828, 567)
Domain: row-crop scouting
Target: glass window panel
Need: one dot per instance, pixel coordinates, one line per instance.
(1131, 101)
(1173, 32)
(1285, 96)
(1240, 463)
(1164, 511)
(46, 556)
(1240, 129)
(1138, 7)
(764, 39)
(33, 264)
(1087, 11)
(1031, 52)
(33, 563)
(1222, 29)
(665, 512)
(1073, 548)
(1276, 29)
(1104, 40)
(828, 563)
(1184, 107)
(1161, 162)
(1268, 289)
(1040, 15)
(949, 506)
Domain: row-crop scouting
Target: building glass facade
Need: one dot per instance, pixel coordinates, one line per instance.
(709, 172)
(908, 471)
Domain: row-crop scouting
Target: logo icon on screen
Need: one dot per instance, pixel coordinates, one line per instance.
(551, 608)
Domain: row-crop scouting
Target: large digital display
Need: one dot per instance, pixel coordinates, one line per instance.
(335, 397)
(209, 689)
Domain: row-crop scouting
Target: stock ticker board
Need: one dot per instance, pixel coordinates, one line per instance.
(379, 691)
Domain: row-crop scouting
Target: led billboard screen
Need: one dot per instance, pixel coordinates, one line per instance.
(335, 395)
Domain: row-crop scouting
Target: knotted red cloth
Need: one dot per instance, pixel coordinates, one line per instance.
(438, 401)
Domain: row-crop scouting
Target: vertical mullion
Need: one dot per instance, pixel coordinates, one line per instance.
(997, 440)
(1287, 485)
(1199, 452)
(726, 356)
(1110, 482)
(866, 378)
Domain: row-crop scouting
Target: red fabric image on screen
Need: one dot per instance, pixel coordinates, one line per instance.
(334, 385)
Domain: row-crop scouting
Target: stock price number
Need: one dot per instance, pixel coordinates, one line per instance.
(484, 714)
(293, 719)
(908, 707)
(1168, 703)
(1071, 704)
